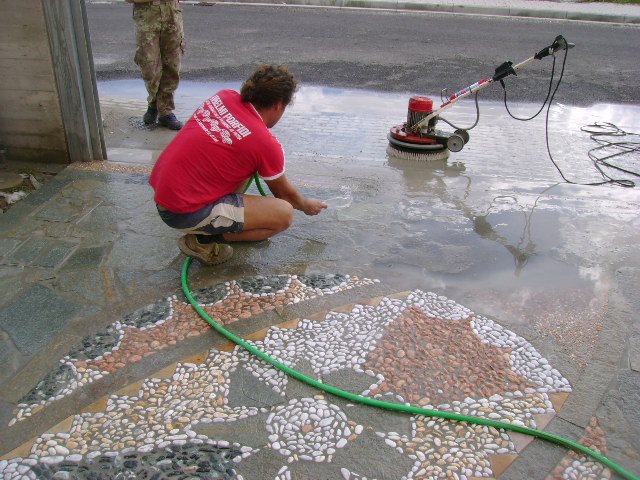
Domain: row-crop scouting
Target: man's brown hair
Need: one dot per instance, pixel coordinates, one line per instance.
(268, 85)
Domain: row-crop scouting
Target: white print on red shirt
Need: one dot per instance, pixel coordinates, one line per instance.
(217, 122)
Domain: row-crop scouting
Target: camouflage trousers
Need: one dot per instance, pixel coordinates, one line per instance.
(160, 45)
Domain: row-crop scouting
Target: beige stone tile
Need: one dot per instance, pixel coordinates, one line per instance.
(558, 399)
(499, 463)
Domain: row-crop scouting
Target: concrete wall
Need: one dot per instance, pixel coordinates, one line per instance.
(31, 126)
(49, 109)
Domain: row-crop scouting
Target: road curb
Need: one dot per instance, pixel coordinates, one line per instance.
(441, 8)
(458, 8)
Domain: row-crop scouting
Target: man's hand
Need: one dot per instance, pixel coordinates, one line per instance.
(281, 188)
(313, 207)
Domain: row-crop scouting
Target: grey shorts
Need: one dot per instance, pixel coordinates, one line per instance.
(224, 215)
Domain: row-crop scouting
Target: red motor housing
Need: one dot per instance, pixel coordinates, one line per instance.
(419, 107)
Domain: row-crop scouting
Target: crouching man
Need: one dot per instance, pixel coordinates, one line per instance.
(200, 177)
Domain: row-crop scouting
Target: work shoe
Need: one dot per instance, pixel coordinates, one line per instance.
(170, 121)
(205, 253)
(151, 115)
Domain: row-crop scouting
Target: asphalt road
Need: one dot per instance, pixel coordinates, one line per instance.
(384, 50)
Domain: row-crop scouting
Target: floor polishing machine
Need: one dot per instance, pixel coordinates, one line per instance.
(419, 139)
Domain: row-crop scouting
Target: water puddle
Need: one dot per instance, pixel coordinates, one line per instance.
(344, 201)
(493, 226)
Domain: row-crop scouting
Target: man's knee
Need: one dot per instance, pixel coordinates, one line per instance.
(268, 213)
(285, 215)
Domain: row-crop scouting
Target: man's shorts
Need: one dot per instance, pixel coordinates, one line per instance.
(224, 215)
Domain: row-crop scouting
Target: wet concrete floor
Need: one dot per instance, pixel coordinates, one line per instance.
(495, 214)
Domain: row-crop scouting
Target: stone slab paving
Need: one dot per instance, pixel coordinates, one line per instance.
(35, 333)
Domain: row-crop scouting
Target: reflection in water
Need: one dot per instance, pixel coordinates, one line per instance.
(422, 221)
(433, 177)
(524, 248)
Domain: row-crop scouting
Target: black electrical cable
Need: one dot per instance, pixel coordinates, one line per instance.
(474, 124)
(553, 71)
(599, 130)
(625, 147)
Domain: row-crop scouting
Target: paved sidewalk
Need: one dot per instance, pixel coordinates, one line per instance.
(599, 12)
(565, 10)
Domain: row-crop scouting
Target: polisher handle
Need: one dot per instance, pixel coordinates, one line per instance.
(560, 43)
(504, 70)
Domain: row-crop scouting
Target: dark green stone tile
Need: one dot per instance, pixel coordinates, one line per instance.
(245, 389)
(54, 254)
(85, 258)
(61, 210)
(7, 244)
(35, 318)
(29, 251)
(41, 252)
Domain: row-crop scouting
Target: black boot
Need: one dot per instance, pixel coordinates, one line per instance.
(170, 121)
(150, 115)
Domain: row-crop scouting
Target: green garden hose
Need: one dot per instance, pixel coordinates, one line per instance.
(549, 437)
(260, 189)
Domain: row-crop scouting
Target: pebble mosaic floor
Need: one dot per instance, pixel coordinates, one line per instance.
(162, 324)
(226, 414)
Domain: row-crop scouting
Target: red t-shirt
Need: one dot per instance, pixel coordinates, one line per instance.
(222, 145)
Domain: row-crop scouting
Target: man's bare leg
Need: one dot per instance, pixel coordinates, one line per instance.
(264, 217)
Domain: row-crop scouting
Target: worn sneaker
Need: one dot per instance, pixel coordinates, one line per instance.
(207, 254)
(151, 115)
(170, 121)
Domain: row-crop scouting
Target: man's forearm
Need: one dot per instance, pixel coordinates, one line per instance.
(282, 189)
(294, 197)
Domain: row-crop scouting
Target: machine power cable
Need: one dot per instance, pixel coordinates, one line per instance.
(373, 402)
(599, 131)
(457, 127)
(474, 123)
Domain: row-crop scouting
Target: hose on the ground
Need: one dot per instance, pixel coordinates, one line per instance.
(549, 437)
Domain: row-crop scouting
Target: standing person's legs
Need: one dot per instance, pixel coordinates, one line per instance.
(171, 50)
(147, 26)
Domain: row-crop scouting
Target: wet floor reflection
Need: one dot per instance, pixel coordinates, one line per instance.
(491, 225)
(503, 212)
